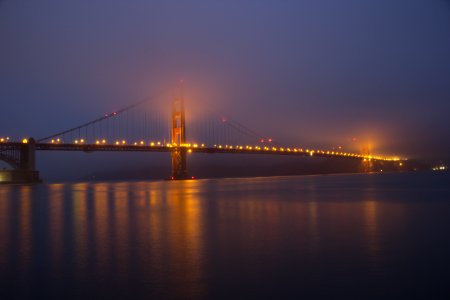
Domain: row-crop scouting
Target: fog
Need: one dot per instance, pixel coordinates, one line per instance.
(313, 73)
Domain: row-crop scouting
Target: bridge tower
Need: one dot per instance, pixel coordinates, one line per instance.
(179, 168)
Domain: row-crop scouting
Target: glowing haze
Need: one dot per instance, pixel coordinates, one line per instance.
(322, 73)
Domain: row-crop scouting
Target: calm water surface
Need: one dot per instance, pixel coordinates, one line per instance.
(337, 236)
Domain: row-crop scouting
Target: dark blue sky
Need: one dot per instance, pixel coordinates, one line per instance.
(305, 72)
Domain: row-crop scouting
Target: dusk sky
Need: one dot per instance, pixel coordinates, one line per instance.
(303, 72)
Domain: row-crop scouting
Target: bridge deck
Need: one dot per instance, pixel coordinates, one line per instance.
(197, 149)
(208, 150)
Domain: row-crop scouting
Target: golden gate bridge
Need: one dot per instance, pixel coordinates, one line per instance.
(135, 129)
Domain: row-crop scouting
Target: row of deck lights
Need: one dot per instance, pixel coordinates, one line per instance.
(237, 147)
(7, 140)
(297, 150)
(281, 149)
(124, 142)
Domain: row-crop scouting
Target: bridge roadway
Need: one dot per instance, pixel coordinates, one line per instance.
(21, 156)
(193, 148)
(201, 149)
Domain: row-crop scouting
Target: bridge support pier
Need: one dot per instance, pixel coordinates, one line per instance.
(25, 165)
(179, 168)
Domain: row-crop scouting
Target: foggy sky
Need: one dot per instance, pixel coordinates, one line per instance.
(304, 72)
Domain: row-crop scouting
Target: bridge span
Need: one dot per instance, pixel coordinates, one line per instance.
(21, 155)
(90, 137)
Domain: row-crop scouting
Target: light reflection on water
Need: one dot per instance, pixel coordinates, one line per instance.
(215, 238)
(4, 225)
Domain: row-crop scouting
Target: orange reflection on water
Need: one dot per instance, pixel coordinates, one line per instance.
(148, 228)
(80, 225)
(184, 232)
(4, 224)
(102, 216)
(154, 228)
(121, 234)
(313, 226)
(370, 209)
(56, 223)
(151, 235)
(378, 216)
(25, 229)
